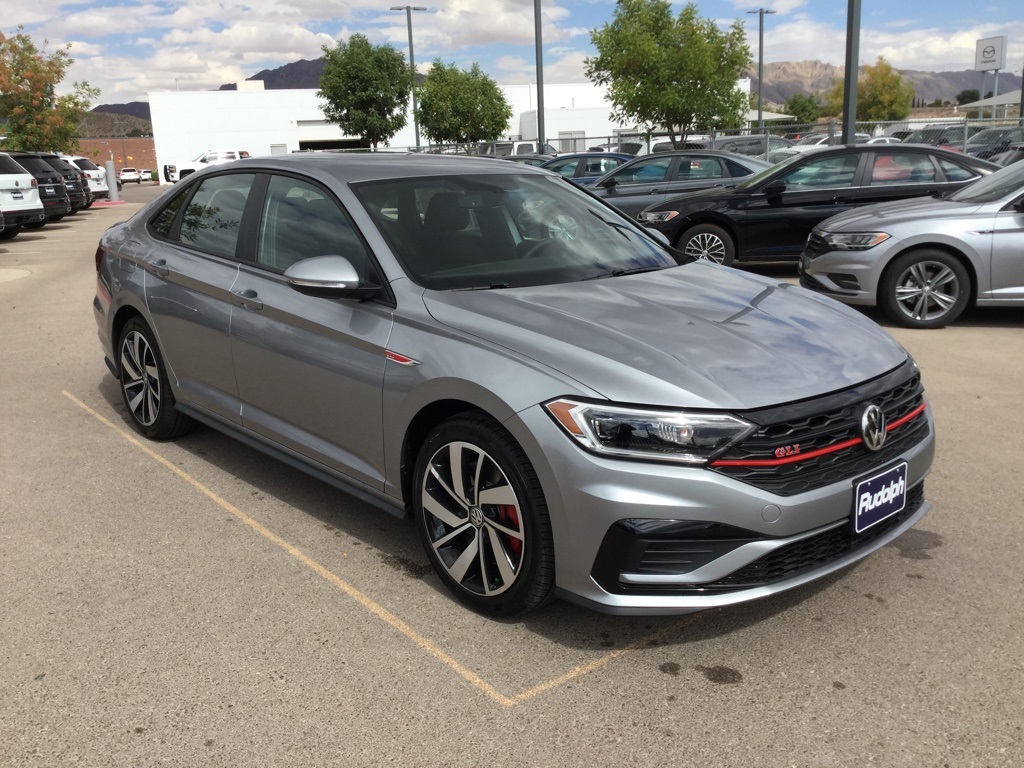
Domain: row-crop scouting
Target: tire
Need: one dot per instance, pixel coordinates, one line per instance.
(11, 232)
(145, 389)
(482, 517)
(708, 242)
(925, 289)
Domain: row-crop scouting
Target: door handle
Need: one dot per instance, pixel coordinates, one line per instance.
(248, 299)
(158, 267)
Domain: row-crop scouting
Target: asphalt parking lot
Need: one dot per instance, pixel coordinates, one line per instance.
(197, 604)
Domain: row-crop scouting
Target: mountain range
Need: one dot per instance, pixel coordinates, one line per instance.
(781, 80)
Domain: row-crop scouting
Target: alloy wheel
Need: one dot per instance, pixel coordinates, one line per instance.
(140, 378)
(927, 291)
(473, 519)
(707, 246)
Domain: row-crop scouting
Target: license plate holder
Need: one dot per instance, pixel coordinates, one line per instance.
(879, 497)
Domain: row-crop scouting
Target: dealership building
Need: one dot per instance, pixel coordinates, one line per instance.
(266, 122)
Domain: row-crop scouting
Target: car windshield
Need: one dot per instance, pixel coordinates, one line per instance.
(996, 186)
(813, 138)
(506, 231)
(757, 178)
(988, 136)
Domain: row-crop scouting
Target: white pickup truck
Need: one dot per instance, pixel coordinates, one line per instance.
(174, 172)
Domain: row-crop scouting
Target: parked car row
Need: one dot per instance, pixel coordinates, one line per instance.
(38, 187)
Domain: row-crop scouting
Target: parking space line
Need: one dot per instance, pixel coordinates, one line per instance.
(369, 604)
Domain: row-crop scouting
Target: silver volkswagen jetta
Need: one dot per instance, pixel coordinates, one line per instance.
(560, 402)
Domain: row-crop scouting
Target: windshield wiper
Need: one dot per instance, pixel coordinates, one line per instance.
(622, 272)
(491, 287)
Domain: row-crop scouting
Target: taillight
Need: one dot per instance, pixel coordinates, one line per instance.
(99, 257)
(35, 183)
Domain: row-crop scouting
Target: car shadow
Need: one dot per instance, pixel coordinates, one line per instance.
(397, 545)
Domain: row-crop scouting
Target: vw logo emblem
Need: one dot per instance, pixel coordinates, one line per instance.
(872, 427)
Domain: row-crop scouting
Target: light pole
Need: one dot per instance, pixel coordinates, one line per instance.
(760, 64)
(412, 62)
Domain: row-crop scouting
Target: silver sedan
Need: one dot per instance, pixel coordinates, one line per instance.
(924, 260)
(561, 405)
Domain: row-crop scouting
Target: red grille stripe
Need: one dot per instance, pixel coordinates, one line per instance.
(815, 454)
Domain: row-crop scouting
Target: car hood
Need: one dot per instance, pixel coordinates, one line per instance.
(698, 335)
(881, 215)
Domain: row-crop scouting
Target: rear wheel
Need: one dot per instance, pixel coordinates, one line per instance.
(10, 232)
(482, 517)
(708, 242)
(925, 289)
(144, 385)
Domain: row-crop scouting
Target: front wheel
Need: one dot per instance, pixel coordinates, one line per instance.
(482, 517)
(708, 242)
(144, 386)
(925, 289)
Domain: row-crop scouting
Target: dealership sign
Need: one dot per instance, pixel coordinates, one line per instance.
(989, 54)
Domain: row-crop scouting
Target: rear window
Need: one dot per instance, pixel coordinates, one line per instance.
(86, 164)
(36, 166)
(9, 165)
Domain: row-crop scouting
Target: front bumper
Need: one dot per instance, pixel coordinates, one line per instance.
(636, 537)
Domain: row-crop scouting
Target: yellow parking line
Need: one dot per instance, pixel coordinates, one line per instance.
(373, 607)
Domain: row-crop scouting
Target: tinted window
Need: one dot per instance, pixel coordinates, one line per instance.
(902, 168)
(8, 165)
(645, 171)
(956, 172)
(300, 221)
(213, 218)
(161, 224)
(565, 167)
(699, 168)
(825, 172)
(86, 165)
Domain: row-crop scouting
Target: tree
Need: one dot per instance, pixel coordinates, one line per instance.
(366, 89)
(968, 95)
(460, 107)
(805, 109)
(37, 118)
(881, 94)
(676, 73)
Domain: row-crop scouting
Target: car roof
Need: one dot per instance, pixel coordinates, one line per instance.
(348, 167)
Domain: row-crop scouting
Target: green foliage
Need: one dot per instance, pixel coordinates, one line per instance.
(804, 109)
(37, 118)
(366, 89)
(678, 73)
(460, 107)
(881, 94)
(968, 95)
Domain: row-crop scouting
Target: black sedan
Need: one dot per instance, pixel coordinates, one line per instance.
(653, 178)
(769, 216)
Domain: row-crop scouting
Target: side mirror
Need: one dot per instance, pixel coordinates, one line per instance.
(775, 188)
(608, 183)
(331, 277)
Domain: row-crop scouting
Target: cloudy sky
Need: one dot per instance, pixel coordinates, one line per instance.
(129, 48)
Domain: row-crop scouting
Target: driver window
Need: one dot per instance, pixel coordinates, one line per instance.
(825, 172)
(300, 221)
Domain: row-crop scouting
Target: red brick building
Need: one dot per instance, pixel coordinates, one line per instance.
(127, 152)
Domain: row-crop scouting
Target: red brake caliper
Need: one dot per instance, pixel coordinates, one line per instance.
(510, 517)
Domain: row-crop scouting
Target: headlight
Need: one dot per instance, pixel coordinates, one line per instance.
(854, 241)
(657, 217)
(612, 430)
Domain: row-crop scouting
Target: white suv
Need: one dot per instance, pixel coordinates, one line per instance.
(96, 175)
(19, 197)
(176, 171)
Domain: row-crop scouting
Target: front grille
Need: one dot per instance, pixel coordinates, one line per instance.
(820, 425)
(816, 246)
(624, 551)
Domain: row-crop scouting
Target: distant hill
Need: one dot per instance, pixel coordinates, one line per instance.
(781, 80)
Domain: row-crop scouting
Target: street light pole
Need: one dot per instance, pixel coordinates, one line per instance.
(760, 64)
(412, 62)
